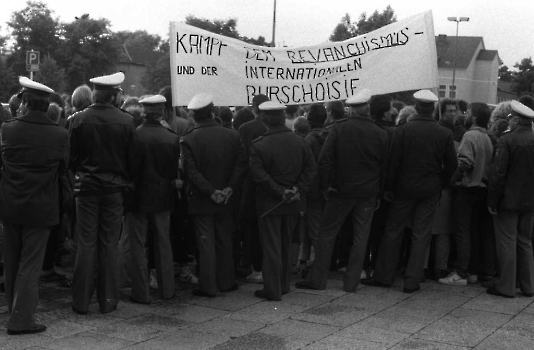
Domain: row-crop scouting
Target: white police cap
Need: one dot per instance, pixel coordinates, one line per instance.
(108, 82)
(271, 106)
(200, 101)
(425, 96)
(361, 97)
(520, 109)
(29, 85)
(153, 100)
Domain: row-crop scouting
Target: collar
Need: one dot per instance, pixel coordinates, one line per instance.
(478, 128)
(206, 122)
(102, 106)
(151, 122)
(276, 130)
(35, 117)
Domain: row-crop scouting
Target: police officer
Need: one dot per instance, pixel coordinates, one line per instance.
(283, 168)
(422, 159)
(104, 160)
(35, 153)
(352, 170)
(153, 201)
(215, 162)
(511, 202)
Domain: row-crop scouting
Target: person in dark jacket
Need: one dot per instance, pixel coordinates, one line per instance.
(511, 202)
(422, 159)
(35, 154)
(352, 171)
(153, 202)
(283, 168)
(215, 163)
(104, 159)
(252, 252)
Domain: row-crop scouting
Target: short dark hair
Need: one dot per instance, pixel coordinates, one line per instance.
(442, 106)
(14, 104)
(527, 101)
(36, 102)
(337, 108)
(380, 104)
(104, 96)
(203, 113)
(316, 115)
(242, 116)
(273, 118)
(482, 111)
(524, 121)
(462, 105)
(226, 115)
(424, 107)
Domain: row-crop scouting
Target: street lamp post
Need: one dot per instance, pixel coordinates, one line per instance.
(274, 21)
(457, 20)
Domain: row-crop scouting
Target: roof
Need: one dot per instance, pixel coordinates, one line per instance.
(467, 47)
(487, 55)
(139, 55)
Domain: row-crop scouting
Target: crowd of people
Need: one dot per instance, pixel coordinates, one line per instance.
(369, 187)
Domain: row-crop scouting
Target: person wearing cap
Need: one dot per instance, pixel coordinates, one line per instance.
(511, 202)
(215, 162)
(153, 201)
(352, 170)
(252, 252)
(35, 155)
(422, 159)
(104, 158)
(282, 166)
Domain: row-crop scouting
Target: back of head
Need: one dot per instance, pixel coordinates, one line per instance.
(527, 101)
(54, 112)
(106, 96)
(136, 111)
(226, 116)
(316, 115)
(301, 126)
(336, 109)
(35, 102)
(482, 112)
(379, 106)
(242, 116)
(406, 114)
(130, 101)
(291, 111)
(501, 111)
(14, 104)
(82, 97)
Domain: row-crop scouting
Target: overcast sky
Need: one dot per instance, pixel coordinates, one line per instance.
(506, 26)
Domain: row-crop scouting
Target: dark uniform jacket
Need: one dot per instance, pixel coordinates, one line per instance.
(104, 150)
(249, 131)
(35, 154)
(315, 139)
(213, 158)
(280, 160)
(422, 158)
(160, 152)
(511, 180)
(354, 158)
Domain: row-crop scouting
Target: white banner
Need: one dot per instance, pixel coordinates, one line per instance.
(398, 57)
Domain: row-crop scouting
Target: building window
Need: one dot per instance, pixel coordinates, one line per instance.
(442, 91)
(452, 91)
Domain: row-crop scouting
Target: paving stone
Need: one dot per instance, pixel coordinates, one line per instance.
(434, 301)
(411, 344)
(333, 315)
(267, 312)
(228, 301)
(401, 314)
(341, 343)
(183, 339)
(256, 341)
(366, 332)
(192, 313)
(61, 328)
(93, 320)
(503, 340)
(231, 327)
(483, 318)
(141, 328)
(491, 303)
(86, 341)
(298, 329)
(334, 288)
(306, 299)
(373, 303)
(390, 293)
(522, 325)
(469, 291)
(404, 325)
(10, 342)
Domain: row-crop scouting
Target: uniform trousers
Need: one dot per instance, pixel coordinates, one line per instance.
(361, 212)
(24, 250)
(125, 258)
(214, 241)
(314, 215)
(402, 210)
(97, 233)
(275, 233)
(513, 235)
(137, 227)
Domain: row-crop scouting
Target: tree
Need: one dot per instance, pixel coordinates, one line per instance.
(33, 28)
(158, 75)
(51, 74)
(346, 30)
(524, 77)
(222, 27)
(139, 38)
(8, 82)
(505, 74)
(87, 50)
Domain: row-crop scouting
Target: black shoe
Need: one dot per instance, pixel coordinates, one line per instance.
(374, 283)
(261, 294)
(53, 276)
(38, 328)
(197, 292)
(411, 290)
(304, 285)
(79, 312)
(139, 302)
(528, 295)
(231, 289)
(489, 284)
(493, 291)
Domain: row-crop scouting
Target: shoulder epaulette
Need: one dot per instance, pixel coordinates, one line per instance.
(257, 139)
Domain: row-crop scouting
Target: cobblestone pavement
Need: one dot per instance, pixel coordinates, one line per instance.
(437, 317)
